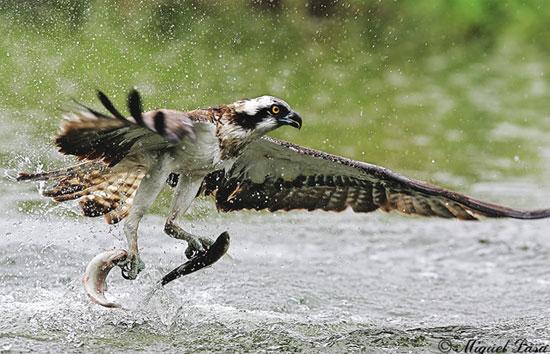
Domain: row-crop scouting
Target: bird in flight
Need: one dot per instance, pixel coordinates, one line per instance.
(220, 152)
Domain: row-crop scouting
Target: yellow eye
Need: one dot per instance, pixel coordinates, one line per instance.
(275, 109)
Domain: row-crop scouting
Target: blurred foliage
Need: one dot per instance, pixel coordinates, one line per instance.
(414, 85)
(421, 25)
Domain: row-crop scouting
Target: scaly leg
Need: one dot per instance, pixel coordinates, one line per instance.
(145, 196)
(201, 252)
(186, 190)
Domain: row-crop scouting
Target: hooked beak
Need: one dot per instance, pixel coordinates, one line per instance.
(293, 119)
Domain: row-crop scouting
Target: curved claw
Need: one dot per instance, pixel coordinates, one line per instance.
(130, 267)
(96, 273)
(125, 272)
(202, 245)
(200, 260)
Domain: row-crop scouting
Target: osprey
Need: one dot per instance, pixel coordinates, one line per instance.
(220, 152)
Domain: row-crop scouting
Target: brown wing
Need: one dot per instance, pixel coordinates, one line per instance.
(276, 175)
(91, 135)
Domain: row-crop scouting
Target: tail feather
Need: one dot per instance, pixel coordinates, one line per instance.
(64, 172)
(128, 191)
(98, 189)
(115, 216)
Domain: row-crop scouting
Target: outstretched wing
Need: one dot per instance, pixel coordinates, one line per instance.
(276, 175)
(92, 135)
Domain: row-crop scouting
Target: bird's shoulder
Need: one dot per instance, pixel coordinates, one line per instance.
(202, 115)
(215, 114)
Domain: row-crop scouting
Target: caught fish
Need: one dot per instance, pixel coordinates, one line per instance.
(96, 273)
(201, 260)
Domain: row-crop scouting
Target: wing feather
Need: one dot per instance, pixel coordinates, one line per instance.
(94, 136)
(276, 175)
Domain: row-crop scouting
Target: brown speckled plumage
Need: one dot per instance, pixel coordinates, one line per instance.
(268, 173)
(292, 177)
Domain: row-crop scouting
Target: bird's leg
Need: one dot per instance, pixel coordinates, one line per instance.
(133, 264)
(201, 251)
(144, 198)
(185, 192)
(195, 244)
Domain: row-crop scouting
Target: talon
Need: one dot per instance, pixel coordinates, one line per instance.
(197, 246)
(206, 242)
(193, 249)
(96, 273)
(202, 259)
(125, 272)
(131, 267)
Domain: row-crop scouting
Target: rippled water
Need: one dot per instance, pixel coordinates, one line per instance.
(297, 281)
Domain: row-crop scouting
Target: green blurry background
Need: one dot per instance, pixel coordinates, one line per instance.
(449, 91)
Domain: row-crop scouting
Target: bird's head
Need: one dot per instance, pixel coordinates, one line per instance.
(263, 114)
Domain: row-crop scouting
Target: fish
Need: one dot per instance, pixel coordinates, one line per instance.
(96, 273)
(201, 260)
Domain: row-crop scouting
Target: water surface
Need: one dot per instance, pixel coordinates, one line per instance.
(475, 121)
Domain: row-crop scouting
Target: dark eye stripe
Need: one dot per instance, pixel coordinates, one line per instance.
(250, 122)
(282, 110)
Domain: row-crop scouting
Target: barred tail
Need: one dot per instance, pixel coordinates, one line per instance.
(99, 189)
